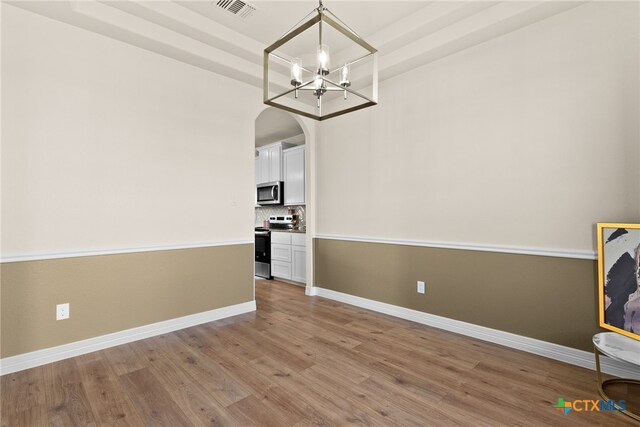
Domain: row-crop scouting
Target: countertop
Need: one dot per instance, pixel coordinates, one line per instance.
(280, 230)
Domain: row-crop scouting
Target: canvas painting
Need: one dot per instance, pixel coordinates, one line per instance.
(619, 271)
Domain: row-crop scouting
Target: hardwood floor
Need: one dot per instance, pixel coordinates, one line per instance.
(301, 361)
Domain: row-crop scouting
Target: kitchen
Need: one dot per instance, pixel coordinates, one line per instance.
(280, 202)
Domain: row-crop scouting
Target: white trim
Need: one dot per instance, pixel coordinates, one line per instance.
(561, 253)
(65, 351)
(310, 291)
(570, 355)
(116, 251)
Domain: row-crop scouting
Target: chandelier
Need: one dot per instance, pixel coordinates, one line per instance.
(298, 72)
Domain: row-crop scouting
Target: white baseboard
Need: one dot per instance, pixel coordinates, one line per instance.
(65, 351)
(570, 355)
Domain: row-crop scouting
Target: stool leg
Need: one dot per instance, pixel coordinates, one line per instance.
(596, 352)
(601, 385)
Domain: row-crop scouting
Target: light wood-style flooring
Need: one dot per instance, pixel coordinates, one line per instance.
(302, 361)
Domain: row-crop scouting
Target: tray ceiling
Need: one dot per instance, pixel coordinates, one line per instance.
(407, 34)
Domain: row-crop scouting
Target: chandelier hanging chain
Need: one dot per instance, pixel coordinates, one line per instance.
(320, 30)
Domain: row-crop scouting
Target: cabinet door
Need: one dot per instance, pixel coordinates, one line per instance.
(256, 179)
(280, 252)
(293, 170)
(299, 264)
(257, 171)
(281, 269)
(263, 166)
(275, 164)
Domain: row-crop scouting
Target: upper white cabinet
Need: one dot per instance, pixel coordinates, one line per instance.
(258, 169)
(293, 171)
(269, 162)
(275, 163)
(262, 167)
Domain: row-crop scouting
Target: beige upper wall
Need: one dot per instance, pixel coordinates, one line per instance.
(526, 140)
(108, 146)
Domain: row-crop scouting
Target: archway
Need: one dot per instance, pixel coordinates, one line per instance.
(275, 125)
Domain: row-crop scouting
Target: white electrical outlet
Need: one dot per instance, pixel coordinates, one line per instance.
(420, 287)
(62, 311)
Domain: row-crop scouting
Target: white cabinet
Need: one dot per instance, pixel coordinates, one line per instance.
(289, 256)
(269, 162)
(262, 167)
(257, 170)
(281, 252)
(299, 263)
(293, 175)
(281, 269)
(275, 163)
(298, 239)
(280, 238)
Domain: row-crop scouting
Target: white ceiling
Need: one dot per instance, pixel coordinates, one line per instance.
(273, 18)
(407, 34)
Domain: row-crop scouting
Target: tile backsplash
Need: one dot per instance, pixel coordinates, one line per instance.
(263, 213)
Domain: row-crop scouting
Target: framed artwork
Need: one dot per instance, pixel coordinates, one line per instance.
(619, 278)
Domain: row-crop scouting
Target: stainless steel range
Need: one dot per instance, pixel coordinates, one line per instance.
(263, 242)
(263, 253)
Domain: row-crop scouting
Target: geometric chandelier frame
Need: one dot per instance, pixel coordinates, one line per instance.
(322, 80)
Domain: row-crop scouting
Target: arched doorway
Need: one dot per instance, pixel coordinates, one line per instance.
(272, 126)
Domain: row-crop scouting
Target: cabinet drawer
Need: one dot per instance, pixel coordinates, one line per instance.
(299, 239)
(282, 238)
(281, 252)
(281, 269)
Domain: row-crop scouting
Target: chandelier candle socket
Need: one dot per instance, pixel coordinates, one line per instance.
(314, 89)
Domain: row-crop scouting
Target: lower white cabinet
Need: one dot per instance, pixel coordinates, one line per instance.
(299, 263)
(280, 252)
(289, 256)
(281, 269)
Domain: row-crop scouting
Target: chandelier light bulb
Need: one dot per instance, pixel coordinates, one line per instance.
(323, 58)
(344, 76)
(296, 72)
(319, 86)
(344, 79)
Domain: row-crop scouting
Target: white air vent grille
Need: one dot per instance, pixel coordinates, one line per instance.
(237, 7)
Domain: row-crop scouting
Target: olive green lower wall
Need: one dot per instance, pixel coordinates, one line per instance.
(548, 298)
(111, 293)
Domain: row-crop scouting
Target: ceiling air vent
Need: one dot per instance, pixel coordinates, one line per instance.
(237, 7)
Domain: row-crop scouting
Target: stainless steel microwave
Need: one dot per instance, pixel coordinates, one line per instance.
(270, 193)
